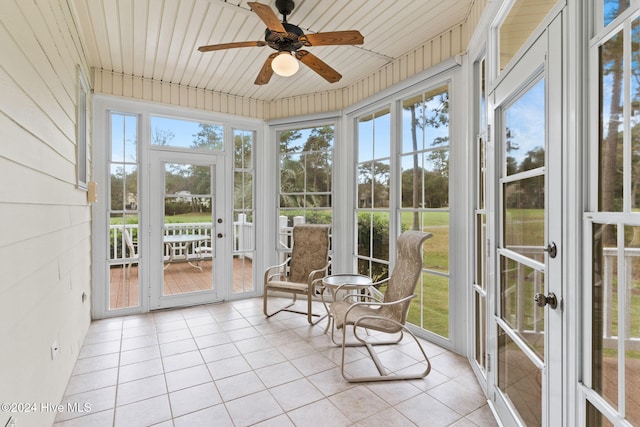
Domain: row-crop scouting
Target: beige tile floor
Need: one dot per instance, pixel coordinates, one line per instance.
(227, 365)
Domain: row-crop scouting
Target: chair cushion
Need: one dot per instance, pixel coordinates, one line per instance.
(289, 286)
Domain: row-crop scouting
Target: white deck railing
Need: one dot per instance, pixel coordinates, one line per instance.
(611, 293)
(243, 239)
(610, 297)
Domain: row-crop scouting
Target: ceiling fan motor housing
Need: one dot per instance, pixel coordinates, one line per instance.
(285, 42)
(285, 7)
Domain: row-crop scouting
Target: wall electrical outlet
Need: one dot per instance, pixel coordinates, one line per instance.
(54, 349)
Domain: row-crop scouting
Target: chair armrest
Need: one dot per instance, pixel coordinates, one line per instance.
(275, 271)
(313, 281)
(377, 304)
(380, 282)
(374, 298)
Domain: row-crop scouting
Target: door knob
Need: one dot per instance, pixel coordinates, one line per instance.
(541, 300)
(219, 235)
(552, 249)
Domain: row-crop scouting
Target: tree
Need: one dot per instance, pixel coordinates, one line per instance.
(511, 145)
(318, 159)
(305, 167)
(209, 137)
(287, 137)
(243, 167)
(373, 184)
(431, 187)
(124, 188)
(612, 59)
(430, 112)
(161, 136)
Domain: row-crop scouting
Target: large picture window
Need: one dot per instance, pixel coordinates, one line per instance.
(306, 171)
(412, 196)
(373, 170)
(424, 206)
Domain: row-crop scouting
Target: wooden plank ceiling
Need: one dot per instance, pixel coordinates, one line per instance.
(158, 39)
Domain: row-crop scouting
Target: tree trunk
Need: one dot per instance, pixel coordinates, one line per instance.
(610, 146)
(417, 182)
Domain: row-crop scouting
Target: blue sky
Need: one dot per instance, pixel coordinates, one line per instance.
(525, 119)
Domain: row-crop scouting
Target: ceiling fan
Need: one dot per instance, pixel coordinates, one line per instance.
(288, 39)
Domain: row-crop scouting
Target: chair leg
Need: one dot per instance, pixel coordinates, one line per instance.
(310, 314)
(264, 304)
(383, 374)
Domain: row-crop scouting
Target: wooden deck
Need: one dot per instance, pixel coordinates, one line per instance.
(180, 277)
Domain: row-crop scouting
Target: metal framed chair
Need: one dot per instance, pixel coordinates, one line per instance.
(388, 315)
(302, 272)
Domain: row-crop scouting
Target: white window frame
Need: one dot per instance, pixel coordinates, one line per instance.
(448, 72)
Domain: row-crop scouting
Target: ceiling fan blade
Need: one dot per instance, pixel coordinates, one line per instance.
(318, 65)
(221, 46)
(268, 16)
(266, 71)
(332, 38)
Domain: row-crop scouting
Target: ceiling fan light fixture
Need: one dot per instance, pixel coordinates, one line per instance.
(285, 64)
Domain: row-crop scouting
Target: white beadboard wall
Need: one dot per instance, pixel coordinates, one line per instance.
(45, 240)
(448, 44)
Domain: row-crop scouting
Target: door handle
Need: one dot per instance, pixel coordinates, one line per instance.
(220, 235)
(551, 249)
(541, 300)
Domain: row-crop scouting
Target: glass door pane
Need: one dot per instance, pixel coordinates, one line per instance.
(187, 230)
(124, 255)
(424, 191)
(244, 232)
(520, 380)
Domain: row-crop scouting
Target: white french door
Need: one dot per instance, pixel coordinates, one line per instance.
(187, 243)
(525, 377)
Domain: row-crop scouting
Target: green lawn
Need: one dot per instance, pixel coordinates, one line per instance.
(430, 310)
(175, 219)
(189, 217)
